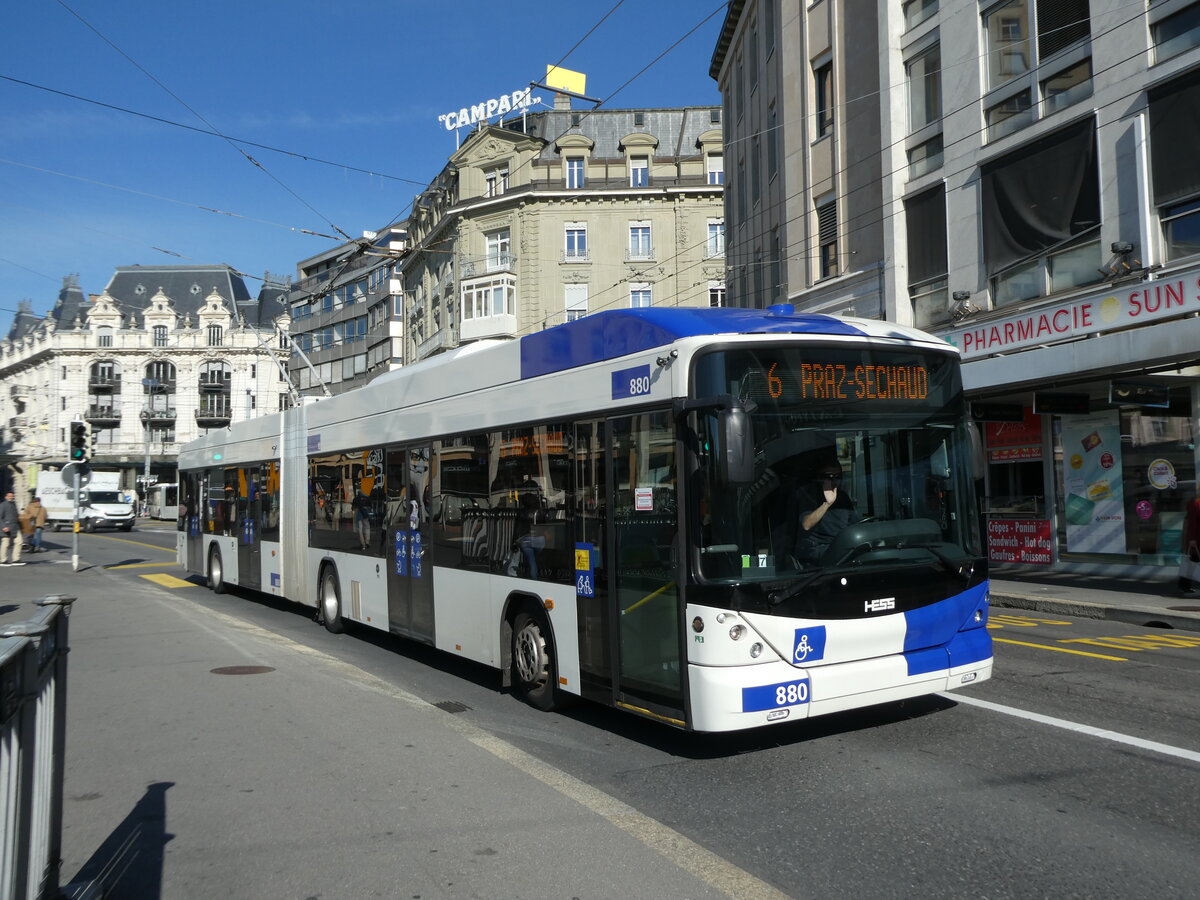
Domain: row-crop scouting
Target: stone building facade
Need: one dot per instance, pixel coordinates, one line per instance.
(162, 355)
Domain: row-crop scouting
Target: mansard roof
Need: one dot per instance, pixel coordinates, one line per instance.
(187, 286)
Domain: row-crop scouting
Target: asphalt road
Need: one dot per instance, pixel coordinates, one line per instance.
(1074, 772)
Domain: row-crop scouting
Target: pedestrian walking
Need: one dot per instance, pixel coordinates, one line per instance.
(35, 522)
(10, 532)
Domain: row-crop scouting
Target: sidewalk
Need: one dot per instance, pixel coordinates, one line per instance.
(209, 758)
(1154, 601)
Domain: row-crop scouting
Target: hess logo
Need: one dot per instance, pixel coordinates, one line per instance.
(881, 605)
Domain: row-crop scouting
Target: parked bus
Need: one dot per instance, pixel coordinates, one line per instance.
(618, 509)
(162, 501)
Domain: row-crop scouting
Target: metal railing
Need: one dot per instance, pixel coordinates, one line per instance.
(33, 721)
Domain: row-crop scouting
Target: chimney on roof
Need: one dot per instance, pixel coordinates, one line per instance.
(562, 101)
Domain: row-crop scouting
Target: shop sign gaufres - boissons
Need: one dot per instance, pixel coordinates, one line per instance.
(1132, 305)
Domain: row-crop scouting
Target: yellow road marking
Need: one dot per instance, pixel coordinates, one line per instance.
(165, 562)
(109, 537)
(1002, 619)
(1044, 647)
(167, 580)
(1138, 642)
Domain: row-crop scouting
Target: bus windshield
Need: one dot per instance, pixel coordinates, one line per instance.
(861, 466)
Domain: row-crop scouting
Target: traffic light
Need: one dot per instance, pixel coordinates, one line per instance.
(80, 441)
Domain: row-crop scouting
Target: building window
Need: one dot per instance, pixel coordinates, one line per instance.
(639, 241)
(925, 157)
(216, 335)
(715, 165)
(1041, 216)
(716, 238)
(925, 88)
(577, 244)
(498, 246)
(639, 171)
(104, 336)
(1007, 33)
(1024, 39)
(716, 293)
(574, 172)
(575, 301)
(1067, 87)
(827, 239)
(160, 335)
(639, 296)
(1012, 114)
(1174, 111)
(496, 181)
(917, 11)
(493, 297)
(1176, 33)
(925, 222)
(824, 104)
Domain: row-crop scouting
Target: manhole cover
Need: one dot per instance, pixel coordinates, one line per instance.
(1185, 608)
(452, 706)
(242, 670)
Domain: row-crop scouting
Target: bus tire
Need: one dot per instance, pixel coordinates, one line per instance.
(216, 571)
(329, 601)
(534, 668)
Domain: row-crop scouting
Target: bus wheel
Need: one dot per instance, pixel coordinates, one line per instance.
(216, 571)
(331, 601)
(533, 666)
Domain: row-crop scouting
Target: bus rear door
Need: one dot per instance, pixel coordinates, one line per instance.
(410, 579)
(249, 518)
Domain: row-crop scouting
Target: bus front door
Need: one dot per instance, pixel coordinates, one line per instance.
(249, 519)
(644, 599)
(410, 578)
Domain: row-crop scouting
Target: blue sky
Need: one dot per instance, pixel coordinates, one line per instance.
(84, 188)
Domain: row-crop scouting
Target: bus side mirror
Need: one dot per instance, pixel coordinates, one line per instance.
(737, 446)
(978, 455)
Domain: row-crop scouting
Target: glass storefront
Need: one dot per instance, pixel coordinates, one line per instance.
(1110, 487)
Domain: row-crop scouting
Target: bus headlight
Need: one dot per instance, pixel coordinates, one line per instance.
(736, 632)
(755, 650)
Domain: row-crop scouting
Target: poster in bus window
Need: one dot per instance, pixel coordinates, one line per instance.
(1094, 505)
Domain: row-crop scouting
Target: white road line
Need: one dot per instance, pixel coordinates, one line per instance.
(1103, 733)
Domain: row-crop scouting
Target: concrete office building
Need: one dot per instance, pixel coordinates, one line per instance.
(1027, 189)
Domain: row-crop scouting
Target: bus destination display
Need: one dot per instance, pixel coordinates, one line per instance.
(839, 381)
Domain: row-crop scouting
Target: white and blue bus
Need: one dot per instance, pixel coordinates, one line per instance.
(715, 518)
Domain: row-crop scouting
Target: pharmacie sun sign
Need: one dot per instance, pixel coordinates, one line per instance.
(488, 109)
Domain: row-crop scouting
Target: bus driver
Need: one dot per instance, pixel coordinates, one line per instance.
(824, 511)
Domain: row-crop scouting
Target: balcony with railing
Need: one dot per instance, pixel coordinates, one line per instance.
(110, 383)
(214, 384)
(494, 262)
(102, 414)
(212, 414)
(159, 415)
(19, 391)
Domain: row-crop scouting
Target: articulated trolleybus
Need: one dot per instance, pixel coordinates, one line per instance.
(716, 518)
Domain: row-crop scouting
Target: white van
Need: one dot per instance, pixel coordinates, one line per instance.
(102, 505)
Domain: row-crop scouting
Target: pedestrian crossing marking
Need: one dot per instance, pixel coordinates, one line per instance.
(167, 580)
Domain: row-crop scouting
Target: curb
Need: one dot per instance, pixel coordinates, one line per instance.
(1151, 616)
